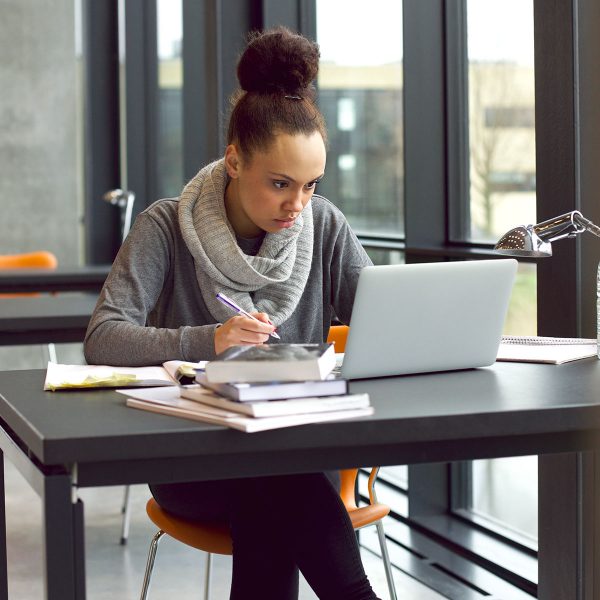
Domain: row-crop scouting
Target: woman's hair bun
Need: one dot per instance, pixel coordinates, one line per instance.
(278, 61)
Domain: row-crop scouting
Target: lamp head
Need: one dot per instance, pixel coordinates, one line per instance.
(535, 240)
(523, 241)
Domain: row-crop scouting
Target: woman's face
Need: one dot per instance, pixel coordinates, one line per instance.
(269, 191)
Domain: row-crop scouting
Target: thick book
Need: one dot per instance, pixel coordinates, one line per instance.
(167, 401)
(172, 372)
(275, 390)
(550, 350)
(268, 362)
(273, 408)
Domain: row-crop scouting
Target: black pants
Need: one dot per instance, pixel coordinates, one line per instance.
(279, 525)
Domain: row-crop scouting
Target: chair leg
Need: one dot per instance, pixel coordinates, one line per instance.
(126, 510)
(150, 563)
(207, 574)
(386, 560)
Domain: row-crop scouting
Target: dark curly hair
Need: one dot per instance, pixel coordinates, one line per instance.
(276, 73)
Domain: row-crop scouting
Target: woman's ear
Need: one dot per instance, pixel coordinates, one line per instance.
(232, 161)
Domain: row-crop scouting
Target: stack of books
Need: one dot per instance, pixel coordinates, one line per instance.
(255, 388)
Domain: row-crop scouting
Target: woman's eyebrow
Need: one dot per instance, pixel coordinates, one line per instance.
(284, 176)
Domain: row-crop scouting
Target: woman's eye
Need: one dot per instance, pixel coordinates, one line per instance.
(312, 185)
(280, 184)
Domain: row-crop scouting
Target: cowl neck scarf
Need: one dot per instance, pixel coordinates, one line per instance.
(270, 282)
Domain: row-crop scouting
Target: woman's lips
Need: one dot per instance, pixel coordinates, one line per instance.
(285, 223)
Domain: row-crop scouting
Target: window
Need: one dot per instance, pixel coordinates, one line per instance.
(170, 98)
(501, 116)
(360, 94)
(502, 195)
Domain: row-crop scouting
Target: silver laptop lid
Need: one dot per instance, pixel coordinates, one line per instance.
(427, 317)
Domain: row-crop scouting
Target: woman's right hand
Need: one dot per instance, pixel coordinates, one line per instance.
(242, 331)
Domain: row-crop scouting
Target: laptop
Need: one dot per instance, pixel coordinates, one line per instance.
(427, 317)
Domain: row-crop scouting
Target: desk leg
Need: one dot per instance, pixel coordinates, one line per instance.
(569, 526)
(3, 566)
(63, 541)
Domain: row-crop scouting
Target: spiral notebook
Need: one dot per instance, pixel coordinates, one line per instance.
(550, 350)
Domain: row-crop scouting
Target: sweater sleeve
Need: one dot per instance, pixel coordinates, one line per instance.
(348, 259)
(118, 333)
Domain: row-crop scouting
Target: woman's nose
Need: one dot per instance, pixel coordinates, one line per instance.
(295, 202)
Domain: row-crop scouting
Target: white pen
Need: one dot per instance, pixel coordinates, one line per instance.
(238, 309)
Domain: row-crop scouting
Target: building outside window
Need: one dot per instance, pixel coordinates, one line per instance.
(360, 94)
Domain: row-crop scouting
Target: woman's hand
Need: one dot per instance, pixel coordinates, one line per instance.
(242, 331)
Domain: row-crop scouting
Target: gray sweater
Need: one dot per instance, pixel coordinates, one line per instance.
(151, 310)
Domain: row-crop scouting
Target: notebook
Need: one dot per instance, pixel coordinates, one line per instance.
(427, 317)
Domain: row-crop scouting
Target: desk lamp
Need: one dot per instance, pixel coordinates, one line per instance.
(536, 240)
(124, 200)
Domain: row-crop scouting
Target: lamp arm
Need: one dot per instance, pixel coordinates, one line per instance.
(565, 226)
(586, 223)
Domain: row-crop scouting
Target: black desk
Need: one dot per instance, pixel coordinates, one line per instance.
(89, 278)
(45, 318)
(62, 441)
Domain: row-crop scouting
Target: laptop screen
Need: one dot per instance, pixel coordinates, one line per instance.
(427, 317)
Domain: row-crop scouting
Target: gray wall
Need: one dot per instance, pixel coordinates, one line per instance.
(39, 164)
(39, 144)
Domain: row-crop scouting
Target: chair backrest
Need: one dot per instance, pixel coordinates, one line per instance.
(41, 259)
(337, 335)
(348, 488)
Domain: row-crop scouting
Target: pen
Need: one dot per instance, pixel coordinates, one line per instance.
(238, 309)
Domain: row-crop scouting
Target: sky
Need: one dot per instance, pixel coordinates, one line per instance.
(349, 34)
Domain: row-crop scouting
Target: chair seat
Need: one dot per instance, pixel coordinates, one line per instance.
(215, 537)
(367, 515)
(203, 535)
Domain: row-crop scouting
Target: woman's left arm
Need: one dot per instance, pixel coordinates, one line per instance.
(348, 259)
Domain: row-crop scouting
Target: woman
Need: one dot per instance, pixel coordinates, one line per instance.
(249, 226)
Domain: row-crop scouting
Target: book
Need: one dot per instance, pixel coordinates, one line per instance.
(172, 372)
(272, 408)
(550, 350)
(267, 362)
(166, 401)
(275, 390)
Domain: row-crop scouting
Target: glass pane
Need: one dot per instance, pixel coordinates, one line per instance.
(360, 94)
(384, 256)
(170, 98)
(502, 195)
(501, 116)
(504, 490)
(395, 475)
(505, 494)
(522, 310)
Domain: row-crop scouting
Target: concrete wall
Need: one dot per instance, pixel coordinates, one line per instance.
(39, 164)
(40, 161)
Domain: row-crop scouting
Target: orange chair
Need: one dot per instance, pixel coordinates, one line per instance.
(214, 537)
(41, 259)
(337, 336)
